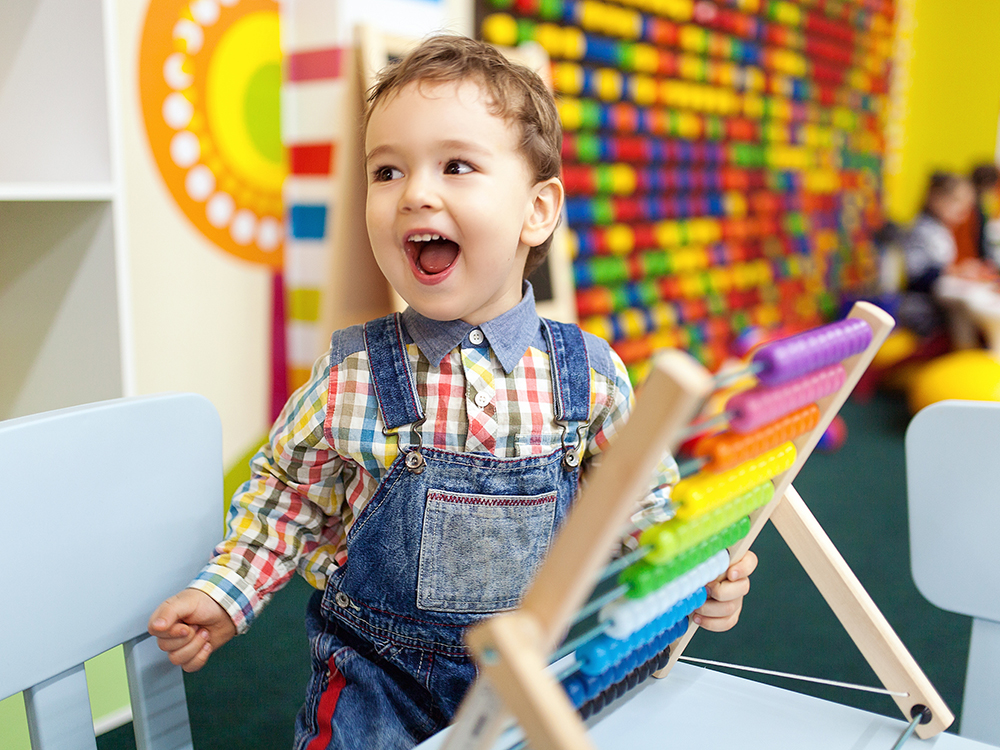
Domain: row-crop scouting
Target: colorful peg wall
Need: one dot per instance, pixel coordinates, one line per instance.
(722, 159)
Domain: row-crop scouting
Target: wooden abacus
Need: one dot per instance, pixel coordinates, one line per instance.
(514, 649)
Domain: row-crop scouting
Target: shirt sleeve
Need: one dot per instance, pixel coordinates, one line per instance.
(287, 511)
(608, 422)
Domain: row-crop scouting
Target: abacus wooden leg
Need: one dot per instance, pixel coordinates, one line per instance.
(507, 649)
(855, 609)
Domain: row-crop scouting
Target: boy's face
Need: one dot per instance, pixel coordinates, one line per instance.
(451, 202)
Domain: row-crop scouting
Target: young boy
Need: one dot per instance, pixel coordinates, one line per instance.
(416, 480)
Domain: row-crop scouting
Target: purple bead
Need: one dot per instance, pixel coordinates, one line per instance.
(797, 355)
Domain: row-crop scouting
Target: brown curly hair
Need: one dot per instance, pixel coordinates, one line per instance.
(516, 94)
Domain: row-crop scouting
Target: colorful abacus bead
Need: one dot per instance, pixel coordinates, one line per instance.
(671, 538)
(727, 449)
(625, 616)
(706, 491)
(762, 404)
(790, 358)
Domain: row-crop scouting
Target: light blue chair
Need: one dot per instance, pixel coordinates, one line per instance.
(953, 488)
(105, 510)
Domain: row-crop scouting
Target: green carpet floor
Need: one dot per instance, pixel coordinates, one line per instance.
(248, 694)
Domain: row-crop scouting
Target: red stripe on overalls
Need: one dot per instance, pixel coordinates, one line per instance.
(327, 705)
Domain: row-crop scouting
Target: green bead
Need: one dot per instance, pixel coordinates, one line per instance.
(626, 55)
(550, 10)
(619, 298)
(588, 148)
(655, 263)
(607, 270)
(649, 292)
(525, 30)
(603, 211)
(590, 112)
(603, 178)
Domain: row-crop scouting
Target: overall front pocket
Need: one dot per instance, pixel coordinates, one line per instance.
(479, 552)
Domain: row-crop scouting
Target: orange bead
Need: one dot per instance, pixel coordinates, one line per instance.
(727, 449)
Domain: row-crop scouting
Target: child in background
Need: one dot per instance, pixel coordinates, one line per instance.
(985, 179)
(416, 480)
(929, 247)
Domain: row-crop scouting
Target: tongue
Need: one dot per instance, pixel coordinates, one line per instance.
(437, 256)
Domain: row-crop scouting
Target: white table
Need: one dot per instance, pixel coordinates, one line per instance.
(696, 708)
(972, 305)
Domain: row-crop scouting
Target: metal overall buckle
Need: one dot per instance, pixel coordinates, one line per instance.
(571, 453)
(414, 462)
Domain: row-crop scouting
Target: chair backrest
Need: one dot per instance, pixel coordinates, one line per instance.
(105, 510)
(953, 489)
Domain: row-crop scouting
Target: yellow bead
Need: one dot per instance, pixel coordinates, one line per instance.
(567, 78)
(500, 28)
(633, 323)
(608, 84)
(646, 58)
(667, 234)
(570, 113)
(620, 239)
(689, 125)
(735, 204)
(550, 37)
(574, 43)
(705, 491)
(599, 325)
(664, 316)
(572, 243)
(622, 179)
(642, 89)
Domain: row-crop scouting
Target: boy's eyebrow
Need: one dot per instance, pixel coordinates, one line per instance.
(457, 145)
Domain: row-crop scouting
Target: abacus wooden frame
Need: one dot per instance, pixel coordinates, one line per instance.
(513, 648)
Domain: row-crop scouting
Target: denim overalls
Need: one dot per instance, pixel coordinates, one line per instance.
(447, 539)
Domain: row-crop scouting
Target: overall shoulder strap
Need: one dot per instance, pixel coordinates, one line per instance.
(570, 370)
(395, 387)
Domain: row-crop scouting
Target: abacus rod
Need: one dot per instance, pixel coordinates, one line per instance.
(693, 428)
(721, 380)
(599, 601)
(908, 732)
(617, 566)
(570, 646)
(790, 676)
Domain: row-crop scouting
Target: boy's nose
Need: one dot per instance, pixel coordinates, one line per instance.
(419, 194)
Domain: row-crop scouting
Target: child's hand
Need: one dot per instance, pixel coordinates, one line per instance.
(189, 626)
(725, 596)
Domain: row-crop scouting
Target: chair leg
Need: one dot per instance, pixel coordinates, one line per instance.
(980, 718)
(159, 708)
(58, 712)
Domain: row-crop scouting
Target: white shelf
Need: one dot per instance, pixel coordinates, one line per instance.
(58, 306)
(54, 191)
(53, 97)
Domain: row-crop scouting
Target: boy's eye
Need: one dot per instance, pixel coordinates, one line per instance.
(385, 174)
(457, 167)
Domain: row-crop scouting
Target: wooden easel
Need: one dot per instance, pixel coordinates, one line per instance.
(513, 648)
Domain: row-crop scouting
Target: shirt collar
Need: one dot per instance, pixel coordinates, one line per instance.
(509, 334)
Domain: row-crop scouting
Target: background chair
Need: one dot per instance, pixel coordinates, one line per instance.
(953, 486)
(105, 510)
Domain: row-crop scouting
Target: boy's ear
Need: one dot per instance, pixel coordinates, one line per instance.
(543, 213)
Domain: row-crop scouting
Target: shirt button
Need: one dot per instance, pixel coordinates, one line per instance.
(482, 398)
(476, 337)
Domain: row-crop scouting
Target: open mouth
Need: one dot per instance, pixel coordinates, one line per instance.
(431, 253)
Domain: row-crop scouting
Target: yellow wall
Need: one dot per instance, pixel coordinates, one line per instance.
(946, 95)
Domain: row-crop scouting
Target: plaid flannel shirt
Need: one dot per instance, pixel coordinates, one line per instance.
(483, 388)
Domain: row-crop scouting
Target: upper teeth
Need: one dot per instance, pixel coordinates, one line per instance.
(425, 237)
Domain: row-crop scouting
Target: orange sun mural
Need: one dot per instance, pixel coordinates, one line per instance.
(210, 81)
